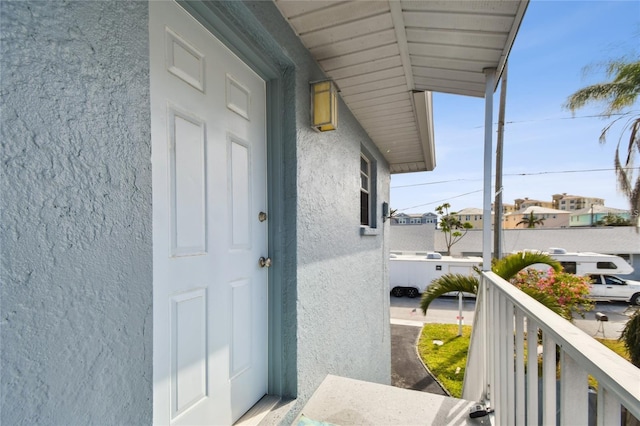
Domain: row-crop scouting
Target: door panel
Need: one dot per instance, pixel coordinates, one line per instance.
(208, 122)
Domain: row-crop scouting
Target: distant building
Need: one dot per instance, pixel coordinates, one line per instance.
(415, 219)
(551, 218)
(506, 208)
(575, 202)
(523, 203)
(595, 213)
(471, 215)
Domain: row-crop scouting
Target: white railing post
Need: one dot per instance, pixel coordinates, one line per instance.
(519, 378)
(484, 283)
(574, 396)
(608, 408)
(549, 405)
(532, 373)
(510, 390)
(498, 348)
(495, 350)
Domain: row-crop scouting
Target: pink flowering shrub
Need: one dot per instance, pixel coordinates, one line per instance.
(571, 291)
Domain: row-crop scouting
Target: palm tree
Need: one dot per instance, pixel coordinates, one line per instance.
(506, 268)
(451, 225)
(619, 93)
(531, 221)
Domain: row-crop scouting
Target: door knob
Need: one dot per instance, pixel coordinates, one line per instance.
(264, 262)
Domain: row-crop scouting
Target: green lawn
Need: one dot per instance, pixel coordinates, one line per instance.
(447, 361)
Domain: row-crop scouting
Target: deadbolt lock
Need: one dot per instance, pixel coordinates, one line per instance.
(264, 262)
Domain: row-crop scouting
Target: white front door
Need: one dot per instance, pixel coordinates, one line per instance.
(208, 124)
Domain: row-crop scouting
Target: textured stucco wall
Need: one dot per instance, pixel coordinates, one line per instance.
(342, 289)
(75, 225)
(76, 216)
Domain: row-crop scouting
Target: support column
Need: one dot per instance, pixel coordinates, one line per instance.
(490, 75)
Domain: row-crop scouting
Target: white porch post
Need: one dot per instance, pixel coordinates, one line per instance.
(490, 75)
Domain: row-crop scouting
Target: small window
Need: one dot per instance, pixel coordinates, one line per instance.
(365, 191)
(606, 265)
(569, 267)
(368, 195)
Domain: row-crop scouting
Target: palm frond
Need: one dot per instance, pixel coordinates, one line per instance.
(510, 265)
(448, 283)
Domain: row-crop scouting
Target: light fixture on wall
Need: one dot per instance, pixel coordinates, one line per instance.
(324, 105)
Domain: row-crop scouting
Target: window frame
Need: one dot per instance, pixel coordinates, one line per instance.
(369, 228)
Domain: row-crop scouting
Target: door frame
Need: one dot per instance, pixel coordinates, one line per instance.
(275, 69)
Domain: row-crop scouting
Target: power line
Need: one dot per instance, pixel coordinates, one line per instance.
(439, 201)
(563, 118)
(515, 174)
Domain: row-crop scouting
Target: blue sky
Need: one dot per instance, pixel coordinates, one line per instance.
(556, 41)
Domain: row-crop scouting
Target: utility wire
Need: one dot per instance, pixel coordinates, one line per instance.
(563, 118)
(514, 174)
(439, 201)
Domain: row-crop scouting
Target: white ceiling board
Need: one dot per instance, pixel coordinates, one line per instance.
(350, 71)
(380, 52)
(372, 76)
(456, 38)
(352, 45)
(368, 56)
(332, 34)
(372, 85)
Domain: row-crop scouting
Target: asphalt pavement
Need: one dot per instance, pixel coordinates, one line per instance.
(407, 370)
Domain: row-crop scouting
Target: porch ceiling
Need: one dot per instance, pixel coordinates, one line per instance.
(380, 53)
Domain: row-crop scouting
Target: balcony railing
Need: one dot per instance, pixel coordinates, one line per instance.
(508, 324)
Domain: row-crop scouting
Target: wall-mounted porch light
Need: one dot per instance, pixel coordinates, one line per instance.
(324, 105)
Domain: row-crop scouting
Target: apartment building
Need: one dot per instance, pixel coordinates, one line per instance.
(415, 219)
(471, 215)
(523, 203)
(549, 218)
(574, 202)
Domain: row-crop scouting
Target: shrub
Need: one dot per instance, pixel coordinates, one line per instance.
(571, 291)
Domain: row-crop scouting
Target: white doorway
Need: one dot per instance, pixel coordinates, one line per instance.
(210, 307)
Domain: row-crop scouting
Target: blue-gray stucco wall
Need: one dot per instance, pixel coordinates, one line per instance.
(76, 217)
(75, 214)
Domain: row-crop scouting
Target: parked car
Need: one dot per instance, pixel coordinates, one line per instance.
(610, 287)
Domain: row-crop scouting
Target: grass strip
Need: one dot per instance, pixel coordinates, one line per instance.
(447, 361)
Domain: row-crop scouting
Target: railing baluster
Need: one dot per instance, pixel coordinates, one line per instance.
(493, 342)
(519, 376)
(608, 408)
(574, 396)
(510, 389)
(548, 380)
(495, 388)
(532, 373)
